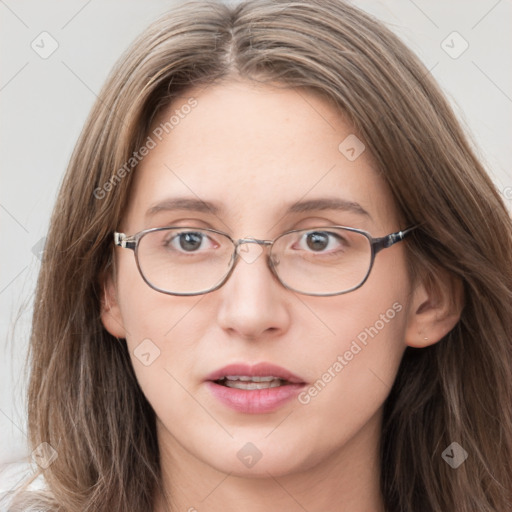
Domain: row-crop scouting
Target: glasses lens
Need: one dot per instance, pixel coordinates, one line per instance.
(184, 260)
(322, 261)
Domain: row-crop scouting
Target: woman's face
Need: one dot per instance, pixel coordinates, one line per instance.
(254, 151)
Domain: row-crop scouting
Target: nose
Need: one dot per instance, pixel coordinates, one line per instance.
(253, 303)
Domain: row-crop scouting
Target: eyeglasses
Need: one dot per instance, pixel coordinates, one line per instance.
(320, 261)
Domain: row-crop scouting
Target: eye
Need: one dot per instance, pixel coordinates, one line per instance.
(189, 241)
(321, 241)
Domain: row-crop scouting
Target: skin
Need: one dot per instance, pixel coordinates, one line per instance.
(256, 149)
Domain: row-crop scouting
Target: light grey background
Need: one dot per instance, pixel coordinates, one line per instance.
(44, 102)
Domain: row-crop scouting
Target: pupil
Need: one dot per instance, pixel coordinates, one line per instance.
(317, 241)
(190, 241)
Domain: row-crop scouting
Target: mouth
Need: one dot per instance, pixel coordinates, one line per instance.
(260, 388)
(258, 376)
(250, 383)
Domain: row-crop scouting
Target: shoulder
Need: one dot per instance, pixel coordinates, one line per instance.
(14, 476)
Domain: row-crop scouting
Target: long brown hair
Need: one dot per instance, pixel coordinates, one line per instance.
(84, 399)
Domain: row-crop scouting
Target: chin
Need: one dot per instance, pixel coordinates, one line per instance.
(248, 461)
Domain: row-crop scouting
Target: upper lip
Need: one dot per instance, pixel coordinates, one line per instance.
(256, 370)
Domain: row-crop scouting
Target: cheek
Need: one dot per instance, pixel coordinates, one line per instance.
(147, 313)
(366, 334)
(355, 366)
(160, 335)
(353, 374)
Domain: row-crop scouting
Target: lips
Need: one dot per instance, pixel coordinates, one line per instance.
(256, 389)
(261, 373)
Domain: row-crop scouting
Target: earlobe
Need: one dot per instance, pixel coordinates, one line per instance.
(111, 317)
(435, 308)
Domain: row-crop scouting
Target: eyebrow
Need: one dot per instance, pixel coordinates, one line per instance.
(328, 203)
(198, 205)
(184, 203)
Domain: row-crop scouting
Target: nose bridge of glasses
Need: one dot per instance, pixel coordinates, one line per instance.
(245, 253)
(250, 240)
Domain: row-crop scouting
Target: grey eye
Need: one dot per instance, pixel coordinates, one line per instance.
(187, 241)
(319, 241)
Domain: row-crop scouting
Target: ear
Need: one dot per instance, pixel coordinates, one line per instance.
(111, 317)
(435, 308)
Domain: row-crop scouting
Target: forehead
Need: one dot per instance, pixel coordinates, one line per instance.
(252, 150)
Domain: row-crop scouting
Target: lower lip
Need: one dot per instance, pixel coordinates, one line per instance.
(254, 401)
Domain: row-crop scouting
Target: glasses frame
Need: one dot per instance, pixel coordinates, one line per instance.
(376, 244)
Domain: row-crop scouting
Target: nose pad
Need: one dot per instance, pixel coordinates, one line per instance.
(249, 250)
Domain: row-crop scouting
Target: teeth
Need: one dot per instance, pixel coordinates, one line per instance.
(252, 384)
(245, 378)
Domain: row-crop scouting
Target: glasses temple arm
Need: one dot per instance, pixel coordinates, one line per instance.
(124, 241)
(387, 241)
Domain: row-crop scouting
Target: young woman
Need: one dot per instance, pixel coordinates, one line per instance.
(277, 278)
